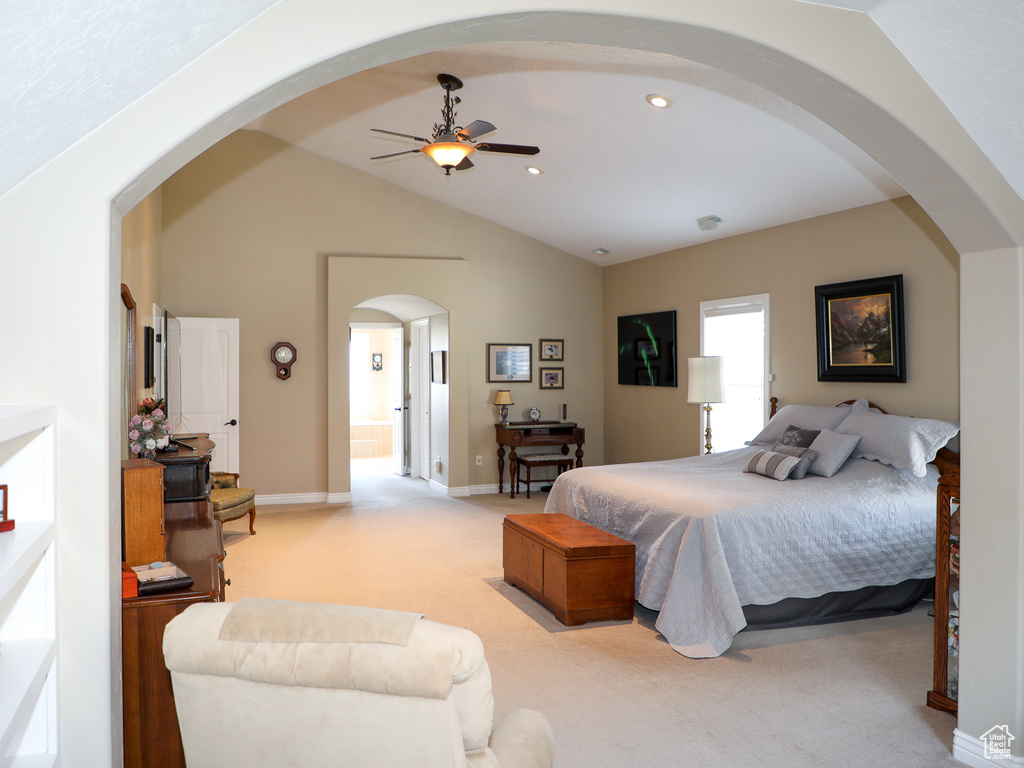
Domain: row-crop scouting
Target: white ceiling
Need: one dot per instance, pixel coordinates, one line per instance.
(618, 173)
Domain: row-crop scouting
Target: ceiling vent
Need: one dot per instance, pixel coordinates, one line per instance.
(709, 222)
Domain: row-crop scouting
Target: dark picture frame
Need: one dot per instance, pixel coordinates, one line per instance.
(510, 362)
(551, 378)
(439, 367)
(860, 330)
(647, 349)
(551, 349)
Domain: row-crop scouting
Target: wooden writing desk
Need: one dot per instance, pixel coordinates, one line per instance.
(519, 433)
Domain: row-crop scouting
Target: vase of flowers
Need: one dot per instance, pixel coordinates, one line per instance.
(148, 430)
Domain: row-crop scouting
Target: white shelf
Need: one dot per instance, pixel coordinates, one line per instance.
(48, 760)
(18, 420)
(20, 550)
(28, 600)
(24, 665)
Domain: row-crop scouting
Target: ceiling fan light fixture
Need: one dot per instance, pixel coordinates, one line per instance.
(448, 154)
(659, 101)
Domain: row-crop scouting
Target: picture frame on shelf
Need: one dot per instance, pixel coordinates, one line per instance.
(860, 330)
(510, 362)
(551, 378)
(5, 523)
(551, 349)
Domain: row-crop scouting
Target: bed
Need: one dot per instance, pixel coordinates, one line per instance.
(722, 546)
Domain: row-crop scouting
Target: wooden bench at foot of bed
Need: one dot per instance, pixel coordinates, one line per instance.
(579, 572)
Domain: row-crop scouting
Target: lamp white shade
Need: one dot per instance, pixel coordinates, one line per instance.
(705, 381)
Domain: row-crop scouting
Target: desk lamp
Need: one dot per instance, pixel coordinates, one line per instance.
(503, 401)
(706, 386)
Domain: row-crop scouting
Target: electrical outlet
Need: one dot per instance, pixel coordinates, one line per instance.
(479, 461)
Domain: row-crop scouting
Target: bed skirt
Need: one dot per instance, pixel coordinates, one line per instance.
(864, 603)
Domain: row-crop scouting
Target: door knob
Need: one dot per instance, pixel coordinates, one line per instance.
(231, 423)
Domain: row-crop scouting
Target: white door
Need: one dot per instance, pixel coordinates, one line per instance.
(419, 396)
(209, 386)
(398, 400)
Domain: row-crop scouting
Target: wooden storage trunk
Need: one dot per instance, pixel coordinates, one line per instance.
(579, 572)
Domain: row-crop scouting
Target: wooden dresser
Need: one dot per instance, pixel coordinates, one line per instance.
(195, 544)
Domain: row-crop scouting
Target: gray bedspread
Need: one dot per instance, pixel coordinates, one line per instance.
(711, 538)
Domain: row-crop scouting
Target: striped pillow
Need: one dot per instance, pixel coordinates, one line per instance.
(771, 464)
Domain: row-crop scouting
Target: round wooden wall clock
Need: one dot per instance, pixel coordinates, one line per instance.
(283, 355)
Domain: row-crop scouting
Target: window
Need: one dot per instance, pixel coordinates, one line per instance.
(737, 330)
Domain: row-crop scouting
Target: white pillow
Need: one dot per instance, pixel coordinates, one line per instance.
(903, 442)
(833, 450)
(805, 417)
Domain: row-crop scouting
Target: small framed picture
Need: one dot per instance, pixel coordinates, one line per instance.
(5, 524)
(551, 349)
(551, 378)
(510, 362)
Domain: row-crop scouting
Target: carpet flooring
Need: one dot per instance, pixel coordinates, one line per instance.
(616, 694)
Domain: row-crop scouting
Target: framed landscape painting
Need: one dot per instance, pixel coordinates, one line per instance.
(860, 330)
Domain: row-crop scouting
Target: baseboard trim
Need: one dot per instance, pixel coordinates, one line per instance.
(460, 492)
(483, 490)
(971, 751)
(304, 498)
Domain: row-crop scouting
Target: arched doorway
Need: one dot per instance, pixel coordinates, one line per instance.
(396, 417)
(838, 66)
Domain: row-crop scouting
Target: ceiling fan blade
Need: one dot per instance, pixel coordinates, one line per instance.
(476, 128)
(512, 149)
(403, 135)
(465, 165)
(395, 154)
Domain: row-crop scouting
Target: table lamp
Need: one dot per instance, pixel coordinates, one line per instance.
(503, 401)
(706, 385)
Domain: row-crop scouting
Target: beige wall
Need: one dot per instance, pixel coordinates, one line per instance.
(787, 262)
(247, 225)
(140, 269)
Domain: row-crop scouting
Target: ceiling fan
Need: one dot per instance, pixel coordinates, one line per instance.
(450, 144)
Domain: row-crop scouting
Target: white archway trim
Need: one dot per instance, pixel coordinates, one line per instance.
(63, 223)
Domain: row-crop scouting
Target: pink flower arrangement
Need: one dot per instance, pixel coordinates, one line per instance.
(148, 429)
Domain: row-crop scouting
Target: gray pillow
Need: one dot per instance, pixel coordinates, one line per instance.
(797, 437)
(806, 456)
(900, 441)
(804, 416)
(833, 451)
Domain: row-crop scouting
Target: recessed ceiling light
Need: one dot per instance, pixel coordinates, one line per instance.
(659, 101)
(601, 251)
(534, 170)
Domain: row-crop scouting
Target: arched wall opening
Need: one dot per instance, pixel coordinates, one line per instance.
(354, 281)
(419, 407)
(835, 64)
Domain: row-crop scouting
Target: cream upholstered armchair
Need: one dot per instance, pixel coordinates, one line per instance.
(275, 683)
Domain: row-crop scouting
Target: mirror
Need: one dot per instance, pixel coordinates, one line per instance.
(129, 395)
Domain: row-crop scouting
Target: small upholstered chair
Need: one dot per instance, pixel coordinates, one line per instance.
(231, 502)
(276, 684)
